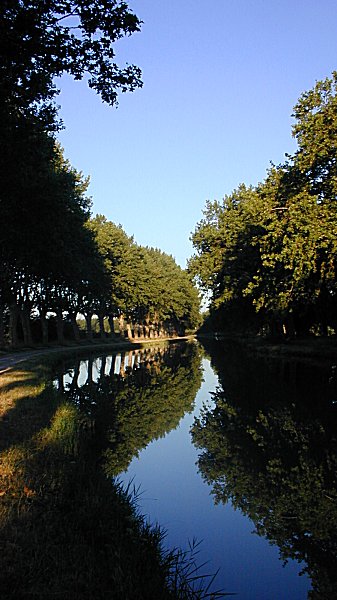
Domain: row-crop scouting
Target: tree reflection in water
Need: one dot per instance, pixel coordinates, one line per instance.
(269, 445)
(133, 398)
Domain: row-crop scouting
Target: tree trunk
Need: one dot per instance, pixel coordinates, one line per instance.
(112, 325)
(26, 326)
(2, 326)
(121, 324)
(101, 326)
(289, 327)
(129, 331)
(44, 327)
(276, 329)
(88, 318)
(75, 328)
(60, 327)
(13, 325)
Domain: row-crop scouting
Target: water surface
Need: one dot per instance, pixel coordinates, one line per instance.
(236, 451)
(174, 494)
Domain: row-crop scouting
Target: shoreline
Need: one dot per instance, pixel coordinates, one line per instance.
(313, 348)
(9, 360)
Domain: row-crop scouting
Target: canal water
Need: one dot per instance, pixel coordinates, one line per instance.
(174, 494)
(235, 452)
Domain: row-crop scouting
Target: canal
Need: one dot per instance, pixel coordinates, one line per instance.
(174, 494)
(236, 453)
(231, 453)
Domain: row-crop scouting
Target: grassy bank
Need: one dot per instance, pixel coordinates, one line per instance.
(66, 530)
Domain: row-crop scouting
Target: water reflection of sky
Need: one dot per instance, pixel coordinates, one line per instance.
(174, 495)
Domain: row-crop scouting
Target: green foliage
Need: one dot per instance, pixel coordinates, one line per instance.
(316, 133)
(46, 252)
(275, 245)
(146, 285)
(52, 259)
(39, 43)
(48, 259)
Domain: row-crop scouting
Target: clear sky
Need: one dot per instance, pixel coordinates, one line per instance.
(220, 80)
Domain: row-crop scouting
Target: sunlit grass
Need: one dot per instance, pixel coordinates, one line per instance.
(16, 385)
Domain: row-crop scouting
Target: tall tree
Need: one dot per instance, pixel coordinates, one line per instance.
(273, 248)
(315, 130)
(42, 206)
(45, 250)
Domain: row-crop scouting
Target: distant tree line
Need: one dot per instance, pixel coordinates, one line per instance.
(55, 261)
(266, 255)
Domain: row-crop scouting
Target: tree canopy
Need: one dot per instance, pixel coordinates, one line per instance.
(270, 250)
(40, 41)
(56, 259)
(145, 284)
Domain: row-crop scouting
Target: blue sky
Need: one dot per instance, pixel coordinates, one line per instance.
(220, 80)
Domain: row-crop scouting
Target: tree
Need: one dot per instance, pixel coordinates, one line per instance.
(43, 243)
(41, 41)
(45, 251)
(116, 250)
(149, 292)
(316, 133)
(227, 258)
(271, 250)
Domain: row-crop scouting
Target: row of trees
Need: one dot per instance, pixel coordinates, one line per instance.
(266, 255)
(59, 262)
(54, 260)
(144, 287)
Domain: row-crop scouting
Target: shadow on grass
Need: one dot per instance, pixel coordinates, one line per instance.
(27, 403)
